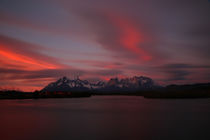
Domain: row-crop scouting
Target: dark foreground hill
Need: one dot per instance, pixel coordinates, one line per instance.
(181, 91)
(11, 94)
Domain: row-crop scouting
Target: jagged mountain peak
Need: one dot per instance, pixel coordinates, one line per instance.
(66, 84)
(132, 82)
(63, 80)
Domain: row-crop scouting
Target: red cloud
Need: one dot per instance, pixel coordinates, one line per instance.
(25, 60)
(130, 37)
(22, 55)
(19, 59)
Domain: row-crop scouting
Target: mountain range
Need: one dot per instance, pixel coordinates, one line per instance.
(137, 86)
(65, 84)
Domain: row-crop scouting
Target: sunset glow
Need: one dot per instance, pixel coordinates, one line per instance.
(25, 60)
(99, 40)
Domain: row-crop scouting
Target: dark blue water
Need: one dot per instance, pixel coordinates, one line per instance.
(105, 118)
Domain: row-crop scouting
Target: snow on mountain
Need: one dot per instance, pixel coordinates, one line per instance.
(133, 82)
(65, 84)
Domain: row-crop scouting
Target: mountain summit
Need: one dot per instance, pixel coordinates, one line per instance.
(65, 85)
(135, 82)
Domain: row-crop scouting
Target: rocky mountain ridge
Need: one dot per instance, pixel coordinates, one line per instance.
(65, 84)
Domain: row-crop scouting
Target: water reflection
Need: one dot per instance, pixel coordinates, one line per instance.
(104, 117)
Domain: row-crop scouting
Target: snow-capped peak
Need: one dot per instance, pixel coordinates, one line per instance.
(65, 84)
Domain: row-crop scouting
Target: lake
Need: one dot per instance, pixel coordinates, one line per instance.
(105, 118)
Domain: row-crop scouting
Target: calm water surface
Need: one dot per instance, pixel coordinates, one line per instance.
(105, 118)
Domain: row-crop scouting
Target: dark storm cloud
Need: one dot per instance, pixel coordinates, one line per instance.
(11, 19)
(7, 71)
(108, 72)
(17, 44)
(199, 39)
(190, 28)
(184, 66)
(15, 74)
(201, 32)
(176, 72)
(175, 75)
(181, 72)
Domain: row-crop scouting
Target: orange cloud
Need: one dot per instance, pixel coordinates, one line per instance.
(19, 58)
(17, 54)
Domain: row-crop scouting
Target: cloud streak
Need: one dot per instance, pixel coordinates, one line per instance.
(130, 38)
(184, 73)
(120, 35)
(25, 55)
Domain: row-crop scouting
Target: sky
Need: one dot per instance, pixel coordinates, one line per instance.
(43, 40)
